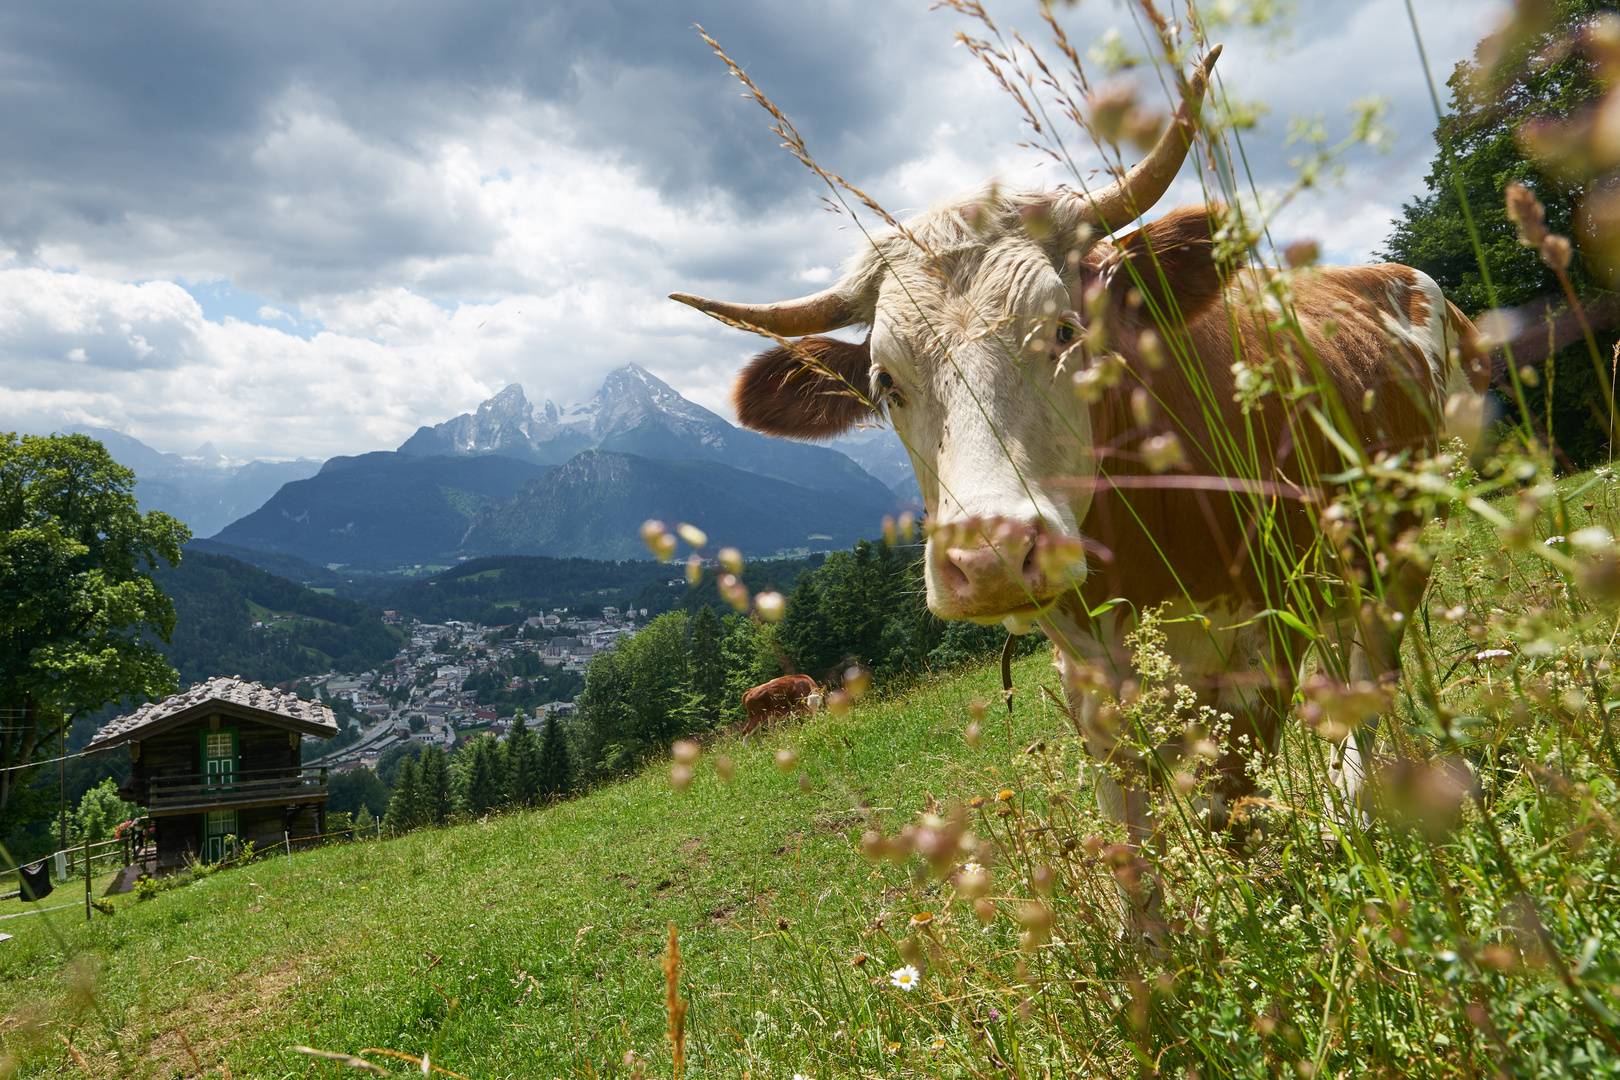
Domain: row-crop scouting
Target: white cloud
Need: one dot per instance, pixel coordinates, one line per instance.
(405, 259)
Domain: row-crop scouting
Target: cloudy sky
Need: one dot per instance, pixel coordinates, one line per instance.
(306, 228)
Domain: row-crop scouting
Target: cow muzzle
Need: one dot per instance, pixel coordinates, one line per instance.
(984, 570)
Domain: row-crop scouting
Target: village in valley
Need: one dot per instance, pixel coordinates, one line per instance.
(425, 694)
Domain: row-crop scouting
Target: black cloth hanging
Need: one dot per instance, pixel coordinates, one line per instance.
(35, 880)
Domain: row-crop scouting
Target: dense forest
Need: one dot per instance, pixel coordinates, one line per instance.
(217, 599)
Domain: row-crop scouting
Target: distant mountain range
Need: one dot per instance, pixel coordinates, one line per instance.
(636, 413)
(516, 479)
(204, 489)
(513, 478)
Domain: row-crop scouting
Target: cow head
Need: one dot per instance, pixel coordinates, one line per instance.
(977, 310)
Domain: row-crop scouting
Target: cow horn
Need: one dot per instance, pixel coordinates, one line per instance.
(1134, 194)
(813, 314)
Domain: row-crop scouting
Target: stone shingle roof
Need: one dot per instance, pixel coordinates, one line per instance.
(236, 696)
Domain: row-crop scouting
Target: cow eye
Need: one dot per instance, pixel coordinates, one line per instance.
(1065, 333)
(887, 389)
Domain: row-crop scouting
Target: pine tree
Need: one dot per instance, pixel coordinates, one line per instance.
(434, 780)
(708, 668)
(480, 789)
(522, 762)
(405, 808)
(553, 770)
(364, 822)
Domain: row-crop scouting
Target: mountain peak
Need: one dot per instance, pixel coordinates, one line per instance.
(509, 402)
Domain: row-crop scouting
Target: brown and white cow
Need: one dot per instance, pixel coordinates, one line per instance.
(1033, 359)
(782, 696)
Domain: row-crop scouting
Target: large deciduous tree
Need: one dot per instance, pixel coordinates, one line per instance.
(78, 606)
(1528, 79)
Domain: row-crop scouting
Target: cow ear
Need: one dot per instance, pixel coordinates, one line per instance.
(1173, 263)
(814, 388)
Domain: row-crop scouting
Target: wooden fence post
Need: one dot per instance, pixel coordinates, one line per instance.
(86, 875)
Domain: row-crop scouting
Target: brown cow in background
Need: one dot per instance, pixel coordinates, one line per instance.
(780, 697)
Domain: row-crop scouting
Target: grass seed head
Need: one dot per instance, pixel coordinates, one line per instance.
(731, 559)
(1162, 451)
(972, 881)
(839, 703)
(725, 768)
(693, 535)
(857, 680)
(786, 759)
(685, 751)
(680, 777)
(694, 570)
(660, 541)
(735, 592)
(772, 605)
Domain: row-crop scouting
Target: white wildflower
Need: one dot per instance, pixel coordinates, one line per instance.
(1551, 540)
(905, 978)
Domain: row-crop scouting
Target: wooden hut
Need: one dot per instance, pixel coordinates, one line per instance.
(223, 760)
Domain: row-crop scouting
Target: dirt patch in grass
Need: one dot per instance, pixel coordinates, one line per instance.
(190, 1040)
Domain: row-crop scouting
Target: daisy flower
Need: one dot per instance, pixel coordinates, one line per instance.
(905, 978)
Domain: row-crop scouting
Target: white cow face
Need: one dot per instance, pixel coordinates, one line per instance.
(969, 356)
(973, 372)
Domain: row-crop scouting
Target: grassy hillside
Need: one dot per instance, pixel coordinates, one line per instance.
(549, 924)
(529, 944)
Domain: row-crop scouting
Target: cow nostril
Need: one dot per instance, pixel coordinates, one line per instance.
(955, 577)
(1031, 569)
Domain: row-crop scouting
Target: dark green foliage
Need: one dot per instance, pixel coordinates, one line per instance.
(778, 575)
(749, 653)
(863, 606)
(480, 770)
(502, 588)
(215, 598)
(79, 604)
(393, 759)
(522, 763)
(708, 667)
(356, 790)
(636, 699)
(290, 567)
(438, 801)
(405, 808)
(1541, 77)
(554, 772)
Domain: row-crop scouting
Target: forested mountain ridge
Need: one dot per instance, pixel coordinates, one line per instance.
(217, 600)
(380, 510)
(594, 505)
